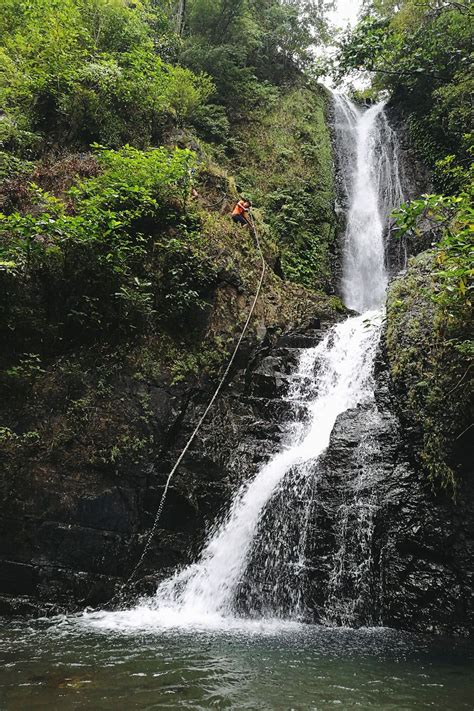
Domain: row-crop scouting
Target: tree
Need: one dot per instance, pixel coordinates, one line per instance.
(78, 71)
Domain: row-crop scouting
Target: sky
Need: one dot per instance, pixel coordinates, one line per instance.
(345, 12)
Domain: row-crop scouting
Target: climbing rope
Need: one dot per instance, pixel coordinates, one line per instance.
(119, 595)
(218, 203)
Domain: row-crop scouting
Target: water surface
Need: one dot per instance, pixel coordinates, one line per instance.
(74, 663)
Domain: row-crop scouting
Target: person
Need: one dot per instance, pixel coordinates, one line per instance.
(240, 213)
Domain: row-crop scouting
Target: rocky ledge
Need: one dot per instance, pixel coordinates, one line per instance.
(70, 534)
(383, 546)
(386, 547)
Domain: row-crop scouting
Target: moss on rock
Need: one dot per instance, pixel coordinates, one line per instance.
(288, 172)
(430, 369)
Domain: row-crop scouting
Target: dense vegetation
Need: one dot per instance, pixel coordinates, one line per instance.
(114, 71)
(114, 113)
(127, 131)
(113, 233)
(286, 166)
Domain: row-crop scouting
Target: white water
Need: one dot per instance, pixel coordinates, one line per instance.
(371, 182)
(339, 371)
(343, 380)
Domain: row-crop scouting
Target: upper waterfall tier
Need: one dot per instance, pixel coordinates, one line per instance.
(368, 160)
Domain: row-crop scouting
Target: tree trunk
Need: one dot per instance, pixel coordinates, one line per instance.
(181, 17)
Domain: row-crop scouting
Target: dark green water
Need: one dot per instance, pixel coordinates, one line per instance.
(66, 664)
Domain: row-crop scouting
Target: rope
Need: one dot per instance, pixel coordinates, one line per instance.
(119, 595)
(212, 205)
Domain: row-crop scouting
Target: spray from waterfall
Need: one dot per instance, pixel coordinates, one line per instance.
(343, 366)
(221, 583)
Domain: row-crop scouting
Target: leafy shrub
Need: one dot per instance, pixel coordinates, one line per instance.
(13, 167)
(212, 123)
(118, 254)
(87, 70)
(187, 275)
(450, 220)
(14, 174)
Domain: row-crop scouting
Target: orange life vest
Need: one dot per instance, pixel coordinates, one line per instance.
(240, 209)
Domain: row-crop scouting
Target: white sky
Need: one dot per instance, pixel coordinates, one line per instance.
(345, 12)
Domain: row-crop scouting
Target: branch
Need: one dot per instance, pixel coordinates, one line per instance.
(401, 73)
(452, 5)
(459, 383)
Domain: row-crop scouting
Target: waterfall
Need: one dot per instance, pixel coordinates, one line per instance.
(341, 371)
(368, 161)
(253, 560)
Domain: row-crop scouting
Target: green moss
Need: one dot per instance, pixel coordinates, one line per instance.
(429, 365)
(89, 404)
(288, 172)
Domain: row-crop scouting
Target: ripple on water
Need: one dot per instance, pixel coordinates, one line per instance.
(86, 662)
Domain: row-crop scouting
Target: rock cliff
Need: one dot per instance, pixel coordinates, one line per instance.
(72, 529)
(387, 547)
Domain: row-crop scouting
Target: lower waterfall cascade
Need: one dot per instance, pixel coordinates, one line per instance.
(266, 527)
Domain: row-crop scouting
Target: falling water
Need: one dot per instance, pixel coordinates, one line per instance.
(343, 364)
(223, 582)
(368, 160)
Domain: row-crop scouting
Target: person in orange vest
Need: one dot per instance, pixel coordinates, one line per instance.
(240, 213)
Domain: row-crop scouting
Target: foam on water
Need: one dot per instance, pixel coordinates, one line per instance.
(146, 618)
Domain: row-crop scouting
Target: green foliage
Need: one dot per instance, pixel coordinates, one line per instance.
(13, 167)
(291, 30)
(93, 263)
(23, 374)
(85, 70)
(79, 71)
(451, 220)
(10, 441)
(187, 275)
(136, 182)
(288, 171)
(420, 52)
(247, 47)
(428, 335)
(430, 359)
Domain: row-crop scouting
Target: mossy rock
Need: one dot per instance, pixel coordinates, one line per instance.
(430, 370)
(288, 172)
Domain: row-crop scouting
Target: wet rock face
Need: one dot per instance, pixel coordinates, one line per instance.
(382, 548)
(415, 176)
(69, 535)
(379, 546)
(416, 181)
(386, 549)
